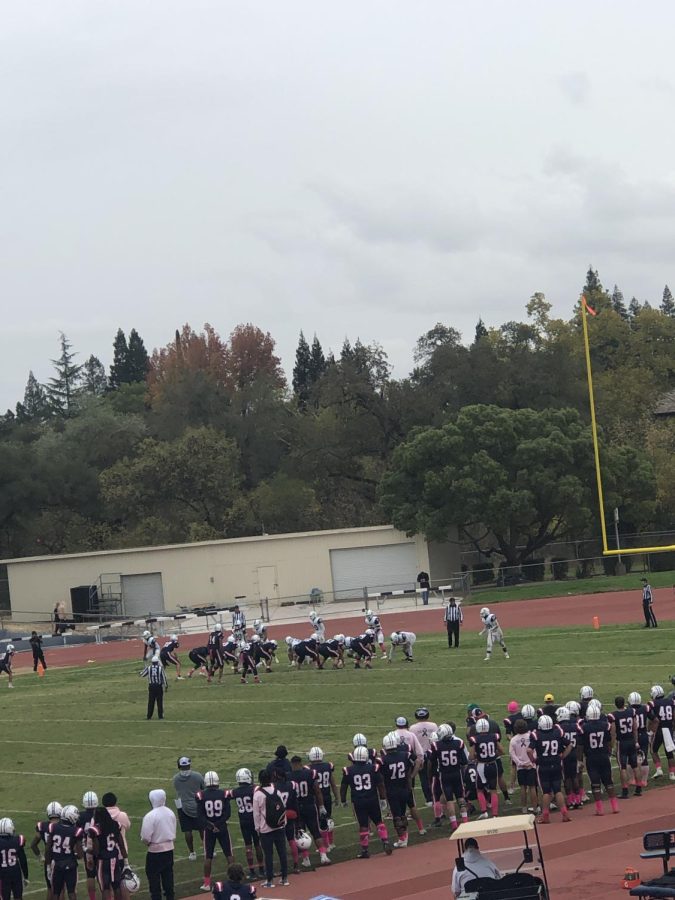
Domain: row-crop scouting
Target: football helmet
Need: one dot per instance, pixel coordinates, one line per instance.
(390, 741)
(146, 634)
(573, 707)
(340, 638)
(528, 711)
(313, 616)
(70, 813)
(6, 826)
(586, 692)
(593, 712)
(174, 637)
(360, 740)
(273, 644)
(545, 723)
(255, 639)
(484, 613)
(243, 776)
(634, 699)
(368, 613)
(562, 714)
(288, 639)
(303, 840)
(445, 732)
(131, 881)
(314, 636)
(482, 726)
(656, 692)
(54, 810)
(422, 713)
(433, 737)
(218, 627)
(594, 702)
(315, 754)
(211, 779)
(90, 800)
(360, 754)
(10, 648)
(396, 637)
(257, 623)
(370, 632)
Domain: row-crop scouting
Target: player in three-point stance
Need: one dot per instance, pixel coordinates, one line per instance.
(406, 641)
(495, 635)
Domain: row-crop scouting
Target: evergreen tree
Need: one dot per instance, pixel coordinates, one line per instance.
(301, 372)
(35, 406)
(481, 331)
(62, 388)
(119, 373)
(94, 381)
(618, 304)
(347, 353)
(592, 281)
(317, 362)
(137, 358)
(667, 304)
(634, 307)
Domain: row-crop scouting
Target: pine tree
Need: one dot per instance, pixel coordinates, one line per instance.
(618, 304)
(35, 406)
(634, 307)
(667, 304)
(347, 353)
(317, 362)
(592, 281)
(94, 381)
(481, 331)
(137, 358)
(119, 373)
(301, 370)
(62, 388)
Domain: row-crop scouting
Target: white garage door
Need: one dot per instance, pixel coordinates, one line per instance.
(392, 567)
(142, 594)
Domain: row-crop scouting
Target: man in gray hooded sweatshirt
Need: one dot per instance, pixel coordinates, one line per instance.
(158, 831)
(187, 784)
(476, 866)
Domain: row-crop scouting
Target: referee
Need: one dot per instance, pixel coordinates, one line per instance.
(453, 619)
(157, 684)
(647, 607)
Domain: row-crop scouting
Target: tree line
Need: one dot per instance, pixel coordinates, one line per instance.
(204, 438)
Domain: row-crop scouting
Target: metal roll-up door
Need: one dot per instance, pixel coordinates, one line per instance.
(142, 594)
(391, 567)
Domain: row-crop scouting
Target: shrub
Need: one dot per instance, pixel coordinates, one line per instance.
(559, 567)
(662, 562)
(609, 564)
(483, 573)
(535, 570)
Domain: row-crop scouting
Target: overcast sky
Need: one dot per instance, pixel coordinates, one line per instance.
(354, 168)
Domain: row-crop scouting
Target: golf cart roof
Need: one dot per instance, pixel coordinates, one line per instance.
(492, 827)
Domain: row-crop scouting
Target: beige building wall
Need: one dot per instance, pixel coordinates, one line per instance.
(212, 572)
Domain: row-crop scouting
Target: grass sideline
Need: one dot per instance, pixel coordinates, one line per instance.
(598, 584)
(84, 728)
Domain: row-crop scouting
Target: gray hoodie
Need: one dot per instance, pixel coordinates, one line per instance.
(186, 783)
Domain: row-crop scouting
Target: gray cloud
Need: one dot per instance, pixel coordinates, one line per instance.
(576, 86)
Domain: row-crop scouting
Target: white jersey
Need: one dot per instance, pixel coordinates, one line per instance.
(319, 627)
(260, 630)
(151, 647)
(373, 622)
(406, 641)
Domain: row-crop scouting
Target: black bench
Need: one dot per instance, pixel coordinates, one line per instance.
(659, 845)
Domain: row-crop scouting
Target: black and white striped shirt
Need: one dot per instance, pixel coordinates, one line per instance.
(155, 674)
(453, 614)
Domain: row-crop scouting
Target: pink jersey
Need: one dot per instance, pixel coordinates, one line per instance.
(412, 741)
(422, 730)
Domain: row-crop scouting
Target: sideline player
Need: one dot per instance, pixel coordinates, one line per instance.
(495, 635)
(406, 641)
(168, 657)
(448, 757)
(595, 735)
(641, 712)
(13, 862)
(325, 774)
(213, 804)
(64, 848)
(243, 798)
(662, 718)
(105, 849)
(485, 750)
(571, 776)
(6, 664)
(310, 807)
(363, 779)
(54, 810)
(85, 822)
(548, 747)
(625, 737)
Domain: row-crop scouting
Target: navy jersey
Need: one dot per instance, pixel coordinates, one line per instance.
(86, 820)
(230, 890)
(109, 846)
(332, 646)
(569, 729)
(215, 641)
(362, 779)
(243, 798)
(641, 713)
(170, 647)
(269, 647)
(485, 746)
(510, 721)
(595, 737)
(549, 709)
(396, 768)
(372, 756)
(548, 746)
(63, 839)
(12, 855)
(304, 780)
(42, 829)
(214, 806)
(287, 792)
(449, 756)
(495, 728)
(662, 710)
(624, 723)
(229, 648)
(323, 771)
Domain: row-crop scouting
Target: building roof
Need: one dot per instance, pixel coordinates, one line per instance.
(666, 405)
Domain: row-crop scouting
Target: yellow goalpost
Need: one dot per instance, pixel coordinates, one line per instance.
(585, 309)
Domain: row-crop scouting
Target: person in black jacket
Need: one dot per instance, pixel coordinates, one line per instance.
(425, 586)
(36, 647)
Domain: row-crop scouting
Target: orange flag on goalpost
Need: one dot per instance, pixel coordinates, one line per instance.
(586, 306)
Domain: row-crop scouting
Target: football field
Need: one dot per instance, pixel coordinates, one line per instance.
(84, 728)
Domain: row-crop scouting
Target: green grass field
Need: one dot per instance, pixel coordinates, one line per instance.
(597, 584)
(85, 728)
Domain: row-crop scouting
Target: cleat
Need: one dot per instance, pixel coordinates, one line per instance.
(506, 656)
(284, 883)
(267, 884)
(487, 659)
(671, 776)
(422, 831)
(306, 863)
(386, 846)
(192, 856)
(638, 791)
(363, 855)
(483, 815)
(205, 887)
(658, 773)
(436, 823)
(324, 860)
(400, 844)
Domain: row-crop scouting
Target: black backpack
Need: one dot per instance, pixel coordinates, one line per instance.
(275, 810)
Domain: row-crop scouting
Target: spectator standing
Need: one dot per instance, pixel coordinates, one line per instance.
(158, 832)
(36, 647)
(271, 826)
(187, 784)
(57, 620)
(453, 619)
(157, 685)
(647, 605)
(425, 586)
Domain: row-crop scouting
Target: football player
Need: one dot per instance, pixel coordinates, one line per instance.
(548, 747)
(54, 810)
(243, 798)
(494, 729)
(6, 664)
(260, 629)
(105, 849)
(586, 694)
(406, 641)
(363, 779)
(286, 789)
(310, 808)
(595, 737)
(641, 712)
(494, 633)
(373, 621)
(625, 737)
(291, 644)
(85, 822)
(448, 758)
(333, 649)
(150, 645)
(213, 803)
(13, 862)
(360, 647)
(307, 649)
(230, 653)
(662, 717)
(234, 888)
(270, 646)
(260, 653)
(396, 768)
(318, 625)
(168, 655)
(64, 848)
(198, 657)
(360, 740)
(571, 776)
(485, 750)
(325, 774)
(247, 663)
(215, 645)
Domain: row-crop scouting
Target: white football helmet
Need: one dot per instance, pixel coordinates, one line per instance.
(586, 692)
(656, 692)
(211, 779)
(594, 702)
(243, 776)
(273, 644)
(634, 699)
(484, 613)
(146, 634)
(593, 712)
(370, 632)
(573, 707)
(90, 800)
(289, 640)
(368, 613)
(218, 627)
(395, 637)
(390, 741)
(257, 623)
(70, 814)
(313, 616)
(174, 637)
(482, 726)
(54, 810)
(340, 638)
(10, 648)
(528, 711)
(6, 826)
(303, 840)
(255, 639)
(131, 881)
(315, 754)
(359, 740)
(314, 636)
(434, 737)
(360, 754)
(562, 714)
(445, 732)
(545, 723)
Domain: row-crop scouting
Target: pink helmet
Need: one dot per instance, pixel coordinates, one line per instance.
(513, 707)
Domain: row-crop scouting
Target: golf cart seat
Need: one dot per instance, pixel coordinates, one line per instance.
(515, 886)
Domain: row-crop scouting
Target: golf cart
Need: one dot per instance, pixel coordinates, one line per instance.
(515, 883)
